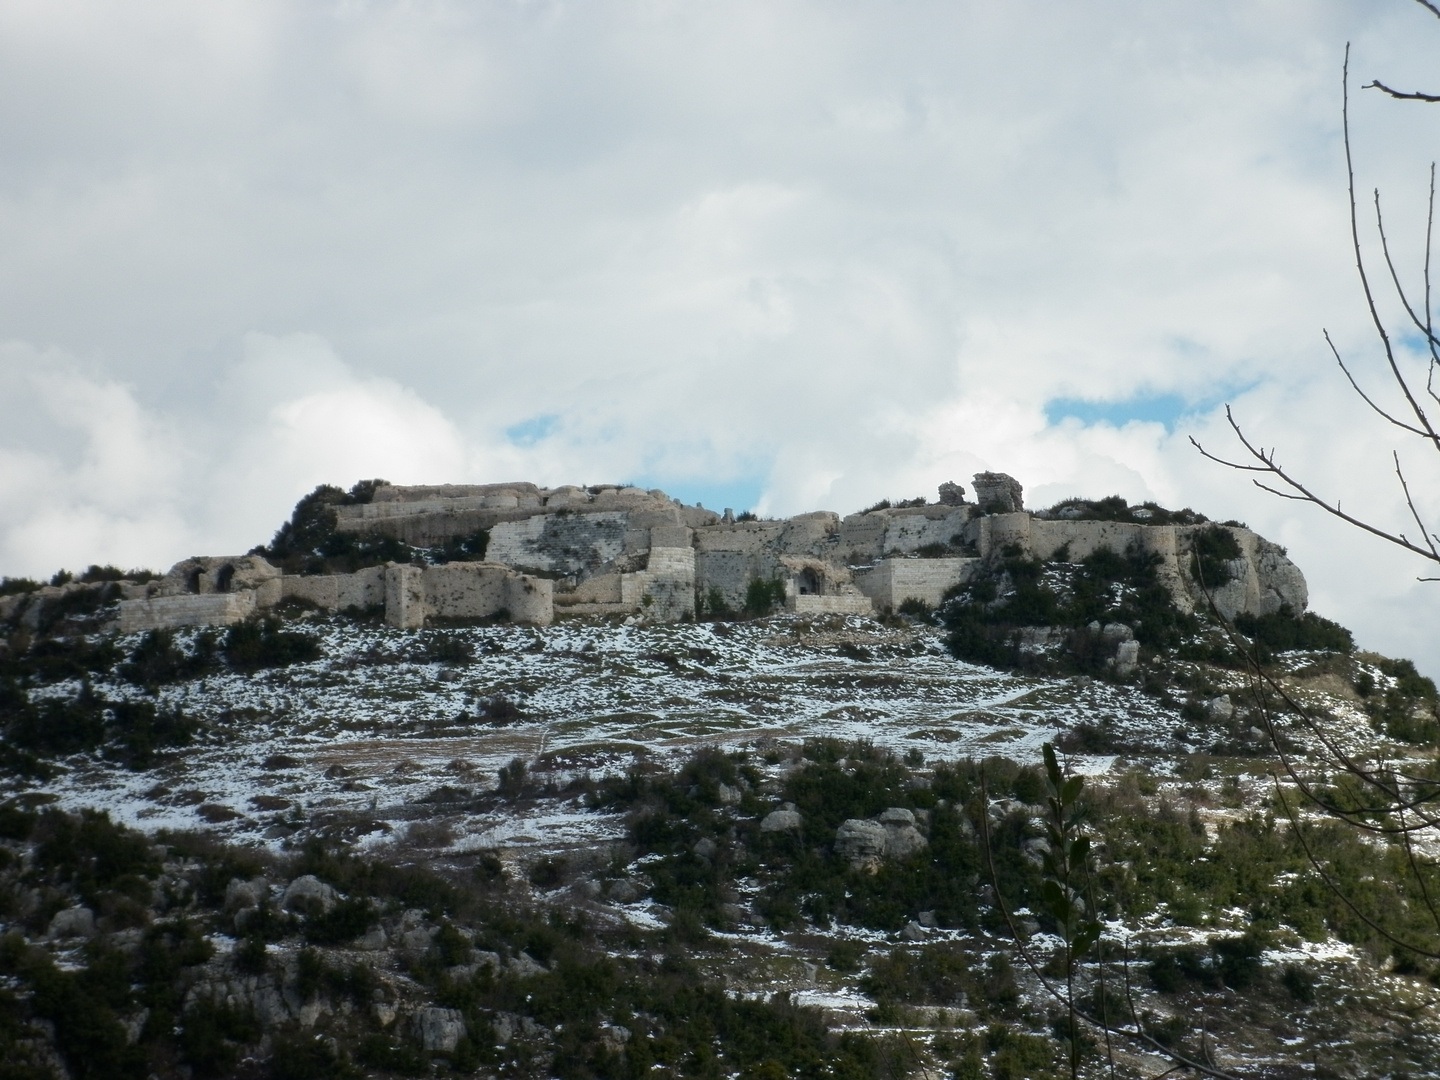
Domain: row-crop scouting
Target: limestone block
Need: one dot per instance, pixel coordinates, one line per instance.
(530, 600)
(524, 965)
(565, 543)
(1279, 581)
(601, 589)
(861, 841)
(911, 529)
(951, 494)
(1220, 708)
(845, 604)
(999, 531)
(902, 841)
(373, 940)
(244, 894)
(999, 493)
(781, 821)
(439, 1030)
(1127, 658)
(308, 895)
(890, 582)
(73, 922)
(749, 537)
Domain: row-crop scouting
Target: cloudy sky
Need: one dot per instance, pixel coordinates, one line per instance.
(768, 254)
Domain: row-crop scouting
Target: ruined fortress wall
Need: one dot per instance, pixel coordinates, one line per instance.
(193, 609)
(911, 529)
(482, 590)
(731, 571)
(861, 538)
(335, 592)
(627, 551)
(564, 543)
(420, 528)
(665, 589)
(893, 581)
(839, 604)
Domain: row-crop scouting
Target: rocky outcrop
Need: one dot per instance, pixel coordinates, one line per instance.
(866, 843)
(640, 554)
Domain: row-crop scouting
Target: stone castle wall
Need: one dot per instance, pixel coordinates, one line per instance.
(627, 551)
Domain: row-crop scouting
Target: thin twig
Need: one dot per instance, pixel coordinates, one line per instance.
(1136, 1035)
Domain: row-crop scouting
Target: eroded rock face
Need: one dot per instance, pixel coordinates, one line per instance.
(861, 841)
(244, 894)
(998, 493)
(439, 1030)
(781, 821)
(308, 895)
(952, 494)
(73, 922)
(891, 835)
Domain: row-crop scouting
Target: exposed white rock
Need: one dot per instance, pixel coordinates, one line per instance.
(781, 821)
(73, 922)
(439, 1030)
(308, 895)
(861, 841)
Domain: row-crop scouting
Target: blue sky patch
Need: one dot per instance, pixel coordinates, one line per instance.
(740, 494)
(529, 432)
(1160, 408)
(1164, 409)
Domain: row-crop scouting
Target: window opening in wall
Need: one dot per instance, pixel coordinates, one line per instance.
(224, 577)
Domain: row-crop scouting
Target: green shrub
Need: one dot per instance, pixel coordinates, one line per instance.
(1211, 550)
(158, 660)
(212, 1036)
(762, 597)
(343, 923)
(1284, 631)
(9, 586)
(90, 852)
(263, 643)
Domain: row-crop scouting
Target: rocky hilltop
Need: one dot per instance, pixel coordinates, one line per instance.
(531, 554)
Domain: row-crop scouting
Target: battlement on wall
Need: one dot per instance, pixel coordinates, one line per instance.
(628, 551)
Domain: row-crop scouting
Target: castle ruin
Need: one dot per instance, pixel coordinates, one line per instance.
(557, 552)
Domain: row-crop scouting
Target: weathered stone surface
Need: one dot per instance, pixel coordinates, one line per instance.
(73, 922)
(308, 895)
(439, 1030)
(1127, 658)
(624, 891)
(244, 894)
(613, 550)
(781, 821)
(1220, 708)
(861, 841)
(997, 493)
(525, 965)
(902, 841)
(372, 940)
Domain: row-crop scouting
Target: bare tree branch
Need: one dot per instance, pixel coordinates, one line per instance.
(1136, 1034)
(1415, 96)
(1299, 491)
